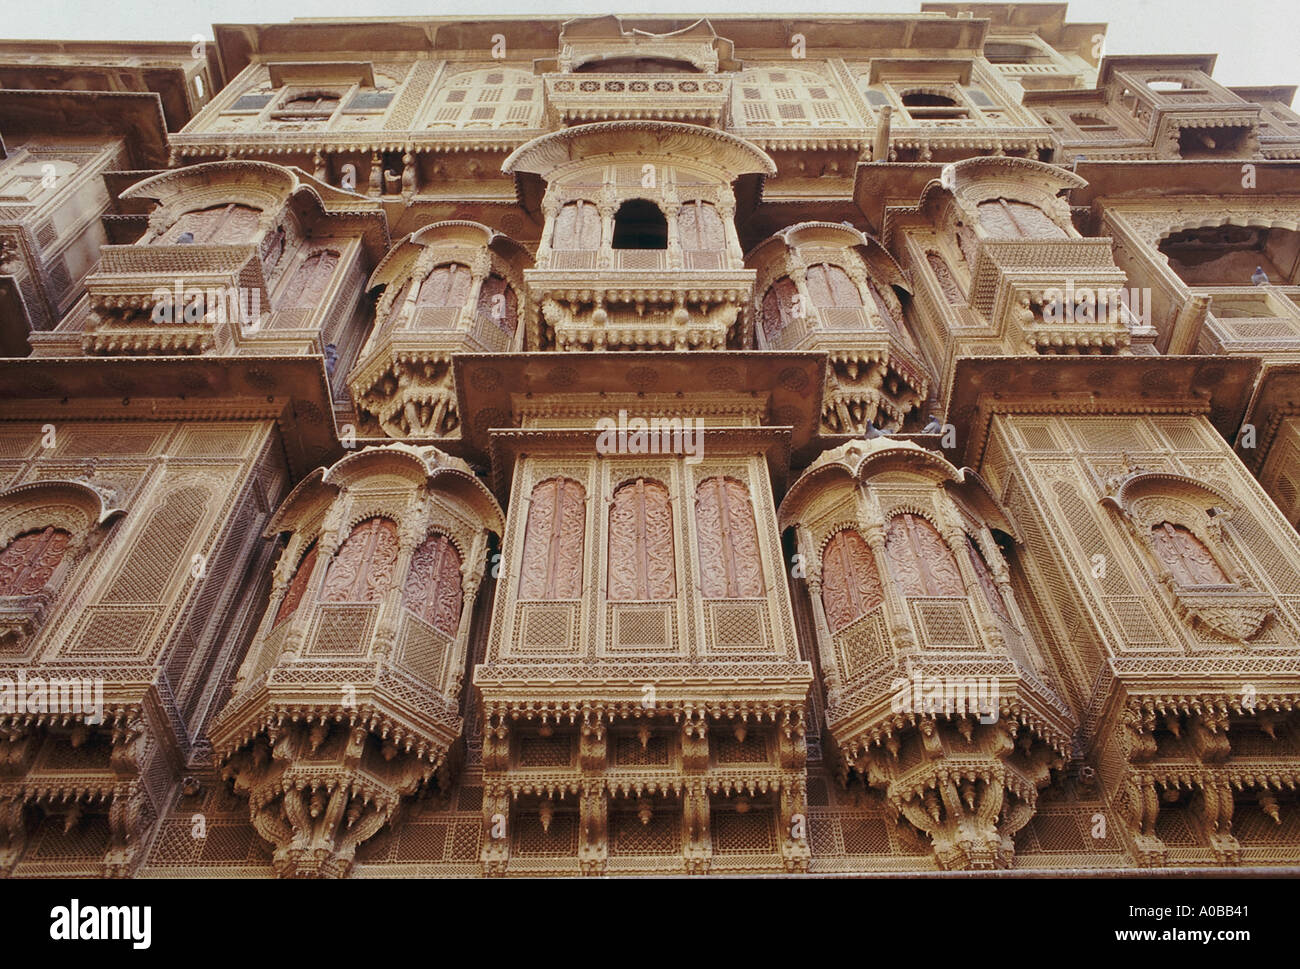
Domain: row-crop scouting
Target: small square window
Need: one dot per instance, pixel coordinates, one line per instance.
(370, 101)
(251, 102)
(524, 94)
(456, 97)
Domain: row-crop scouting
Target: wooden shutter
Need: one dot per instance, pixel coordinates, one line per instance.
(363, 568)
(28, 562)
(640, 558)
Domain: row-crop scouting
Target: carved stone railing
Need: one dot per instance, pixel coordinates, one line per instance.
(1250, 319)
(579, 98)
(642, 308)
(174, 299)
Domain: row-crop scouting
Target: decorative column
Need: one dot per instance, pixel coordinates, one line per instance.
(606, 207)
(825, 638)
(727, 212)
(410, 533)
(376, 185)
(550, 212)
(871, 524)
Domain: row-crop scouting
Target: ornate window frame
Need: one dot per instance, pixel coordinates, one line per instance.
(1144, 499)
(82, 510)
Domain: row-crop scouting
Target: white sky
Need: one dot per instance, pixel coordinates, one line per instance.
(1255, 39)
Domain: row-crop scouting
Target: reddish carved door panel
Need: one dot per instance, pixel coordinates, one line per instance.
(223, 225)
(553, 538)
(1186, 556)
(778, 306)
(577, 226)
(297, 586)
(700, 228)
(1008, 219)
(831, 286)
(990, 586)
(395, 310)
(28, 562)
(730, 566)
(503, 311)
(640, 560)
(433, 589)
(951, 291)
(446, 286)
(362, 570)
(922, 562)
(310, 279)
(850, 584)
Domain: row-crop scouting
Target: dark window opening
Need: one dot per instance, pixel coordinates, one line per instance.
(637, 65)
(639, 224)
(1212, 142)
(1229, 255)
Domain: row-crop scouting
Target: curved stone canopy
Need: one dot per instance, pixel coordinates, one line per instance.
(666, 139)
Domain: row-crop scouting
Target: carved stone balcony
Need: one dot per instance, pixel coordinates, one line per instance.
(1053, 295)
(695, 99)
(348, 700)
(451, 287)
(935, 692)
(173, 299)
(629, 309)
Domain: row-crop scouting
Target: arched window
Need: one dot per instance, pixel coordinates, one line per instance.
(310, 280)
(640, 560)
(701, 227)
(297, 586)
(307, 106)
(1186, 556)
(779, 306)
(730, 565)
(640, 224)
(831, 287)
(497, 302)
(850, 583)
(489, 98)
(553, 538)
(362, 569)
(1009, 219)
(446, 286)
(29, 562)
(220, 225)
(921, 561)
(433, 589)
(577, 226)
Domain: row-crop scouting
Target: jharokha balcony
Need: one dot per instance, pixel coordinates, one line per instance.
(347, 701)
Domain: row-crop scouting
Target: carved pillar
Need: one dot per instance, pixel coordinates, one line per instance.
(496, 829)
(410, 534)
(670, 206)
(479, 268)
(593, 828)
(727, 212)
(605, 255)
(871, 525)
(825, 638)
(795, 853)
(550, 213)
(376, 184)
(408, 174)
(697, 848)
